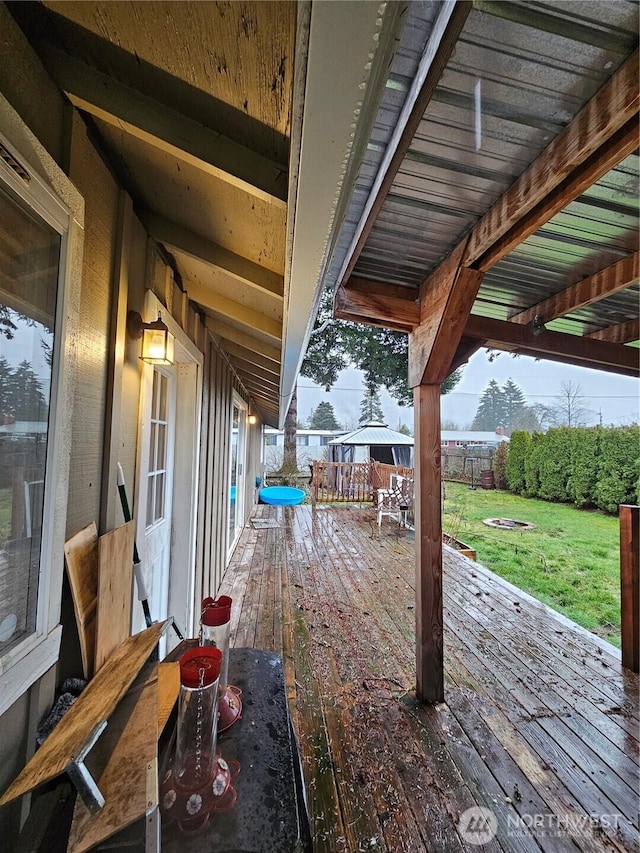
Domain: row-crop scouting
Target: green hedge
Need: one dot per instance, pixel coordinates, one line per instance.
(593, 466)
(519, 447)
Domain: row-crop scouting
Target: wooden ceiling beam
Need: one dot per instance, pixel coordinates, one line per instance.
(230, 333)
(466, 348)
(598, 138)
(446, 298)
(399, 314)
(247, 368)
(151, 121)
(254, 381)
(236, 351)
(442, 42)
(621, 333)
(237, 312)
(179, 239)
(591, 289)
(370, 285)
(555, 346)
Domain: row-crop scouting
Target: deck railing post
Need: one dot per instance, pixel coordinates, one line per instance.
(428, 538)
(629, 585)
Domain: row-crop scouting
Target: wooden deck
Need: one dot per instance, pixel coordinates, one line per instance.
(540, 723)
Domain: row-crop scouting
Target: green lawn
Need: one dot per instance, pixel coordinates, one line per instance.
(570, 561)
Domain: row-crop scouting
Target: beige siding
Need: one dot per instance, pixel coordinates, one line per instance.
(95, 182)
(28, 88)
(25, 85)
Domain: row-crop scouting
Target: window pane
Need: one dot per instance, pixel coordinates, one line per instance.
(162, 447)
(152, 447)
(29, 259)
(155, 398)
(164, 397)
(159, 507)
(150, 499)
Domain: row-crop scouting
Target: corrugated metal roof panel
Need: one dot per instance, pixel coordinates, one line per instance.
(519, 73)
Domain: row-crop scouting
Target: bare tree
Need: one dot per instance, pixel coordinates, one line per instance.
(571, 410)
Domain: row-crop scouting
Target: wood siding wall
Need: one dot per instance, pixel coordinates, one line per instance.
(26, 86)
(62, 132)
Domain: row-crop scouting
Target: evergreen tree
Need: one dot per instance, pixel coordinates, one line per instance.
(381, 354)
(514, 402)
(25, 399)
(491, 411)
(5, 379)
(323, 417)
(370, 407)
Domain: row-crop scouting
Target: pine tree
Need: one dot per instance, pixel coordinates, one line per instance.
(491, 411)
(323, 417)
(370, 407)
(514, 403)
(24, 392)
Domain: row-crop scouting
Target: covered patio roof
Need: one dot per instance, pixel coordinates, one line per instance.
(498, 204)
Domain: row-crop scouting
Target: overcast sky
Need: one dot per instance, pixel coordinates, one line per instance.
(613, 398)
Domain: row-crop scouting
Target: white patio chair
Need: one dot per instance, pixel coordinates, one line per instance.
(396, 501)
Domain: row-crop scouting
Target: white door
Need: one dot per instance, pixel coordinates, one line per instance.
(238, 447)
(155, 483)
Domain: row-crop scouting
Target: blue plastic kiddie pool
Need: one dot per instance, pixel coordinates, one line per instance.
(281, 496)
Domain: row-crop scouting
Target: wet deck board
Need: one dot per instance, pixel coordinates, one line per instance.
(540, 721)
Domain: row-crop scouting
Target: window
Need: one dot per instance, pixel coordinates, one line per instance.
(34, 254)
(302, 440)
(271, 440)
(157, 467)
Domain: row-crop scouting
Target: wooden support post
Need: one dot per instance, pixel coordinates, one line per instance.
(428, 523)
(630, 585)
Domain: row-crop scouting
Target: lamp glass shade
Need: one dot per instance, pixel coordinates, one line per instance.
(157, 344)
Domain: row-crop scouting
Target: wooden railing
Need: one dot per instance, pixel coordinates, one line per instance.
(352, 482)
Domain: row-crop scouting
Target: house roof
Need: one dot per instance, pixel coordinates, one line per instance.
(374, 434)
(478, 436)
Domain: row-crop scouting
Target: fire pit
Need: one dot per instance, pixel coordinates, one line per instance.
(508, 524)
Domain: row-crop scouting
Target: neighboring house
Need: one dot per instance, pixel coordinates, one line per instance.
(470, 438)
(311, 444)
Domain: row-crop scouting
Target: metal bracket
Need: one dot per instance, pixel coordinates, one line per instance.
(152, 817)
(82, 778)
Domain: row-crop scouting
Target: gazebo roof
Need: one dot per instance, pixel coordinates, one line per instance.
(374, 433)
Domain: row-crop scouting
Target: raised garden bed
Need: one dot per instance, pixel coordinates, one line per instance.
(461, 547)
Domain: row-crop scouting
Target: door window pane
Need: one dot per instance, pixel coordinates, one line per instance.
(157, 448)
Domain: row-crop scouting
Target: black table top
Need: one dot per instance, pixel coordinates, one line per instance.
(269, 815)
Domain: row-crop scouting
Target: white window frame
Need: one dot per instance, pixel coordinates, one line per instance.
(22, 665)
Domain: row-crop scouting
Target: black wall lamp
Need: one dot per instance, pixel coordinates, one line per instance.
(157, 340)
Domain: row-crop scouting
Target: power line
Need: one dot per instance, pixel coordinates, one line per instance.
(480, 393)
